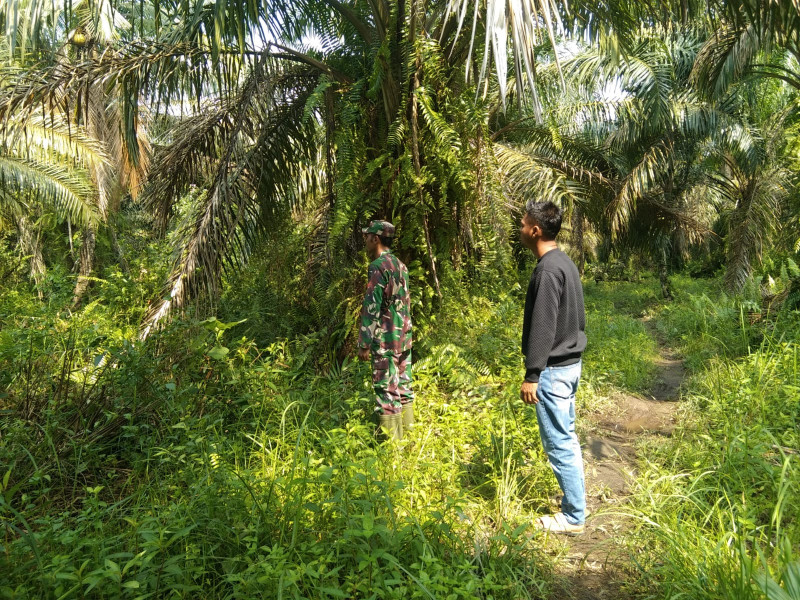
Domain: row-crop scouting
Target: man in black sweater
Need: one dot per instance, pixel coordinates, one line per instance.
(553, 339)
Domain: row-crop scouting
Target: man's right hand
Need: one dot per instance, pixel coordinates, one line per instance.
(363, 354)
(527, 392)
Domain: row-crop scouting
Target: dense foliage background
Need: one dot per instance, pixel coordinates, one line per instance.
(182, 188)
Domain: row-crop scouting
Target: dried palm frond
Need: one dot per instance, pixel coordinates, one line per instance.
(155, 70)
(249, 160)
(195, 145)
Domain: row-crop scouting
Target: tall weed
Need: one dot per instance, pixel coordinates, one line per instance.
(619, 351)
(715, 504)
(232, 471)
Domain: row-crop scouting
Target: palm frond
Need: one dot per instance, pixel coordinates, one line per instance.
(197, 142)
(749, 29)
(752, 220)
(63, 187)
(724, 58)
(528, 174)
(159, 71)
(529, 23)
(55, 136)
(640, 183)
(745, 149)
(251, 172)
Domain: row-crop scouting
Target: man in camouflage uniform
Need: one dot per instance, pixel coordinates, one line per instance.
(385, 331)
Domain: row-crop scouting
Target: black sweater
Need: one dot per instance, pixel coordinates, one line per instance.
(555, 320)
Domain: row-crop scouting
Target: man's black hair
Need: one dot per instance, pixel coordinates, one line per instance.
(386, 241)
(547, 216)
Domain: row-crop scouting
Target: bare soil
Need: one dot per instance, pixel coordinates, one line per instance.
(593, 566)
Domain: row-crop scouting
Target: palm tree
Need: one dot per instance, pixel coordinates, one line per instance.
(755, 42)
(658, 141)
(627, 160)
(652, 164)
(259, 111)
(751, 38)
(46, 166)
(90, 112)
(380, 65)
(380, 122)
(754, 187)
(566, 167)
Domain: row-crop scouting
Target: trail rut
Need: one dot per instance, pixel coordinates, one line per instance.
(592, 566)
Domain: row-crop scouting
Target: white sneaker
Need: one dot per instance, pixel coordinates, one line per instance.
(558, 523)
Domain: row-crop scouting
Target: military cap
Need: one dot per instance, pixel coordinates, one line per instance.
(383, 228)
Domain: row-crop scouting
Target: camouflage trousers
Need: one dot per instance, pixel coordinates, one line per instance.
(391, 380)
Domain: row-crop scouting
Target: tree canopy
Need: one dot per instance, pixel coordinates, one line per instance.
(663, 128)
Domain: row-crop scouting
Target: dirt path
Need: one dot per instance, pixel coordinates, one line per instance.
(593, 564)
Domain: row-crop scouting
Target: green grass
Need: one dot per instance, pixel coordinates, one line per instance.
(716, 503)
(620, 351)
(184, 468)
(177, 469)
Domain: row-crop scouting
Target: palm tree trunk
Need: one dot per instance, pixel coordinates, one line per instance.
(663, 275)
(122, 259)
(30, 244)
(86, 264)
(415, 149)
(330, 109)
(71, 246)
(576, 221)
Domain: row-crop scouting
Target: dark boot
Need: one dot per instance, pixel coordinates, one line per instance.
(408, 415)
(390, 426)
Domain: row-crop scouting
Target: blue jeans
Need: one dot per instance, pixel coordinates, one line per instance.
(555, 412)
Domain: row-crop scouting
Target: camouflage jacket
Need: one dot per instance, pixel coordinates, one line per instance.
(386, 312)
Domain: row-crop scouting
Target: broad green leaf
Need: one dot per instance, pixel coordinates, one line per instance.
(218, 352)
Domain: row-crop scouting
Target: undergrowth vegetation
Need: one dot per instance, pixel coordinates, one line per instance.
(717, 503)
(183, 191)
(201, 461)
(225, 459)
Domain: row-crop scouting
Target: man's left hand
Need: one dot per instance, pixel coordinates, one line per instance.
(363, 354)
(528, 392)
